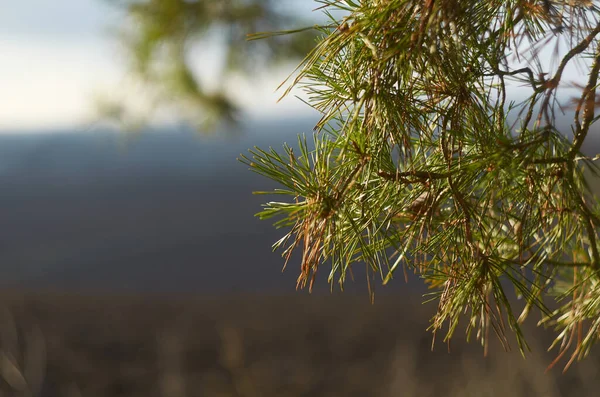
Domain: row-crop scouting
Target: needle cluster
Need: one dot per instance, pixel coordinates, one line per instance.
(421, 163)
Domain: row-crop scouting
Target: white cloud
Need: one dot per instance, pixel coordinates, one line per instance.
(53, 84)
(48, 84)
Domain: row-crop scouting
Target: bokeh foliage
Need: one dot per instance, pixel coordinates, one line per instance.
(160, 35)
(418, 163)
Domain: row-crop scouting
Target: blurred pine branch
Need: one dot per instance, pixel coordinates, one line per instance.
(159, 36)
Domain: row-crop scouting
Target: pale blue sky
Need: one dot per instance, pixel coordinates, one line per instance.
(71, 20)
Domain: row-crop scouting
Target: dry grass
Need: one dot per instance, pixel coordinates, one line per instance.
(69, 345)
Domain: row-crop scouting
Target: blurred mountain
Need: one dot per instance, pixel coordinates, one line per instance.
(162, 211)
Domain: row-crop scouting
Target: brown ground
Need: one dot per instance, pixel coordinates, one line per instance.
(297, 345)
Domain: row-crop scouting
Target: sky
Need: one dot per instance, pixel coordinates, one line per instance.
(56, 54)
(60, 57)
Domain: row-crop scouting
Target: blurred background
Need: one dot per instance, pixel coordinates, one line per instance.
(130, 260)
